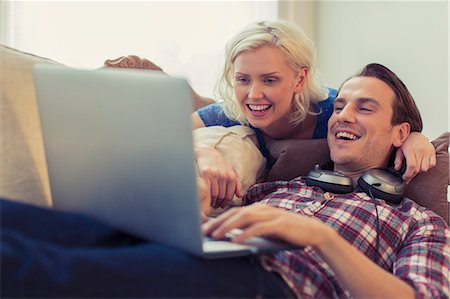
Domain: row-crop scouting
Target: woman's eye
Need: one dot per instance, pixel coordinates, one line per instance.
(242, 80)
(270, 81)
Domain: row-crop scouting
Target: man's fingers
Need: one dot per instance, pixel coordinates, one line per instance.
(203, 217)
(213, 224)
(259, 229)
(242, 218)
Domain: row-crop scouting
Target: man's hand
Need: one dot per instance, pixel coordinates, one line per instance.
(419, 153)
(223, 180)
(358, 274)
(266, 221)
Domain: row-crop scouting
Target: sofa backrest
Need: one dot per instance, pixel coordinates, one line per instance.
(429, 189)
(23, 171)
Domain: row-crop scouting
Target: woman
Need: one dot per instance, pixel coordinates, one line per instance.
(269, 84)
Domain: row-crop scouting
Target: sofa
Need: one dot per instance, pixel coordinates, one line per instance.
(23, 170)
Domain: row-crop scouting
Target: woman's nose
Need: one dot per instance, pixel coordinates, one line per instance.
(255, 91)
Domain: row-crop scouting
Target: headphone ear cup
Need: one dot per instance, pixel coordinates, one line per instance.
(383, 184)
(329, 181)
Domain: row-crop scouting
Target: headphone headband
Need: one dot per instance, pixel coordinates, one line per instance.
(381, 183)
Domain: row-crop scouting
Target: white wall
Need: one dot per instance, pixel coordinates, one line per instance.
(409, 37)
(185, 38)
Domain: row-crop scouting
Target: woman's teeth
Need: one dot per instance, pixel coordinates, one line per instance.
(259, 108)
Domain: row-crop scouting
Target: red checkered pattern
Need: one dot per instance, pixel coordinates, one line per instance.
(414, 242)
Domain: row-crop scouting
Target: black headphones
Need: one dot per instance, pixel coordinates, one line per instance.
(386, 184)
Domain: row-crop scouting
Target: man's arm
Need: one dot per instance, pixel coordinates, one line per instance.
(358, 273)
(424, 259)
(362, 277)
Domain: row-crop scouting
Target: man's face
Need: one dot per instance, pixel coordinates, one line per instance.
(360, 134)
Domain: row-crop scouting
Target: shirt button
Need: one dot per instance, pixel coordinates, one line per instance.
(328, 196)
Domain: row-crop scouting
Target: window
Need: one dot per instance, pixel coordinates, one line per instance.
(184, 38)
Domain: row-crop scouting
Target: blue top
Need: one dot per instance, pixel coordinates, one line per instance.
(213, 115)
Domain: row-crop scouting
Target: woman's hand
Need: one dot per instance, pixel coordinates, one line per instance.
(266, 221)
(223, 180)
(204, 197)
(419, 153)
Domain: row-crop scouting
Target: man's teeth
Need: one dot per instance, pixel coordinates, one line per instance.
(258, 107)
(347, 136)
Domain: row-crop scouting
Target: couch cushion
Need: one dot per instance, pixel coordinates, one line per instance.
(23, 171)
(296, 157)
(429, 189)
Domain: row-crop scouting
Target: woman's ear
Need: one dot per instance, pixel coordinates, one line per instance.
(301, 79)
(401, 133)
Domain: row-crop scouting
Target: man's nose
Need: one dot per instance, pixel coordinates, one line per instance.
(256, 91)
(347, 114)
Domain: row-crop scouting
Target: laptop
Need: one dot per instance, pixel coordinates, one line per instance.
(119, 148)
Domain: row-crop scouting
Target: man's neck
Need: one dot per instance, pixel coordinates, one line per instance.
(356, 172)
(353, 174)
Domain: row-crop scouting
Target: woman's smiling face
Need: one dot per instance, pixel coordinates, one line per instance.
(264, 85)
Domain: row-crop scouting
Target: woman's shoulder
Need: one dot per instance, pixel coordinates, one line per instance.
(328, 102)
(325, 109)
(326, 105)
(214, 115)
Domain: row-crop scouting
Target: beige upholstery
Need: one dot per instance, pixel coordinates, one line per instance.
(23, 170)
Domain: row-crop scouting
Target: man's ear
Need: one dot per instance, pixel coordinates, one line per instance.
(301, 79)
(401, 133)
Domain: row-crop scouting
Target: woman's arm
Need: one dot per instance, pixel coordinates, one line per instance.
(197, 121)
(221, 177)
(419, 153)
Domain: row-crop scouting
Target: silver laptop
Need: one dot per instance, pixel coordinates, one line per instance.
(119, 148)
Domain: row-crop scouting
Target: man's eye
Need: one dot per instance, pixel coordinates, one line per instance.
(365, 109)
(337, 109)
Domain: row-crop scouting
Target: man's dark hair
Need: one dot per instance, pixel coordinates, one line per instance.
(404, 106)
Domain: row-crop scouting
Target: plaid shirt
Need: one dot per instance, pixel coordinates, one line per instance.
(414, 242)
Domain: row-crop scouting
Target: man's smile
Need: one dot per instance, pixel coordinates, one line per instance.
(342, 135)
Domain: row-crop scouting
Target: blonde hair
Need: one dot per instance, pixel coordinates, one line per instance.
(299, 52)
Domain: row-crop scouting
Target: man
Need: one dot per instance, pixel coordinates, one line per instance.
(350, 245)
